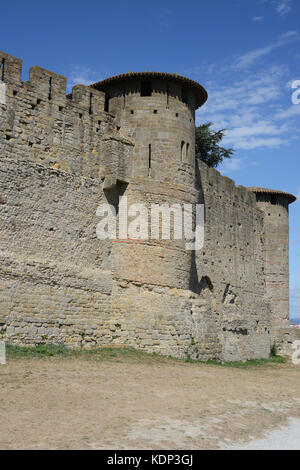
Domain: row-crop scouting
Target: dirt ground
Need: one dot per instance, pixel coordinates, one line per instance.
(71, 403)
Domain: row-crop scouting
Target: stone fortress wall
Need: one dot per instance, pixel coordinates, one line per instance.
(61, 157)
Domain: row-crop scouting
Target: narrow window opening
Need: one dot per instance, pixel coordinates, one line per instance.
(33, 106)
(149, 160)
(38, 101)
(131, 111)
(99, 123)
(80, 115)
(91, 104)
(146, 88)
(15, 92)
(184, 95)
(30, 144)
(155, 111)
(50, 89)
(2, 69)
(187, 152)
(176, 114)
(60, 108)
(106, 104)
(182, 150)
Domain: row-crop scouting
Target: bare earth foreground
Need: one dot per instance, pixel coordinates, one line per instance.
(124, 402)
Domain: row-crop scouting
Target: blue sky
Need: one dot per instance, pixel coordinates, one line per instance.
(245, 52)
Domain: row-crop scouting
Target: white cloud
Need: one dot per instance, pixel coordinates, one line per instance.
(290, 34)
(247, 110)
(258, 19)
(293, 110)
(257, 134)
(254, 90)
(283, 7)
(255, 142)
(232, 164)
(250, 108)
(258, 128)
(82, 76)
(248, 59)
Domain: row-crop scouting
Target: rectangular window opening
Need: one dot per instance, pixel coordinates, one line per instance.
(106, 104)
(91, 104)
(182, 150)
(146, 88)
(149, 160)
(187, 152)
(50, 89)
(184, 96)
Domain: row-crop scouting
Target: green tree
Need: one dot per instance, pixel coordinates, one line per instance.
(207, 145)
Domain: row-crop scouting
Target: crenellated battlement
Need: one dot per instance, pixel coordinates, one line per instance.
(39, 121)
(50, 86)
(11, 68)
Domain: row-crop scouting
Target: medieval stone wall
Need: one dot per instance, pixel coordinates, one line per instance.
(233, 259)
(61, 157)
(54, 277)
(55, 274)
(40, 123)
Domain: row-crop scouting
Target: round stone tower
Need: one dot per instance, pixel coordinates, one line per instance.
(158, 111)
(154, 277)
(275, 206)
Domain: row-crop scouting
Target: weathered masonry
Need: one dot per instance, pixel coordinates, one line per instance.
(132, 134)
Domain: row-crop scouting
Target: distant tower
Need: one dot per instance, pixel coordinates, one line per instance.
(158, 111)
(275, 206)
